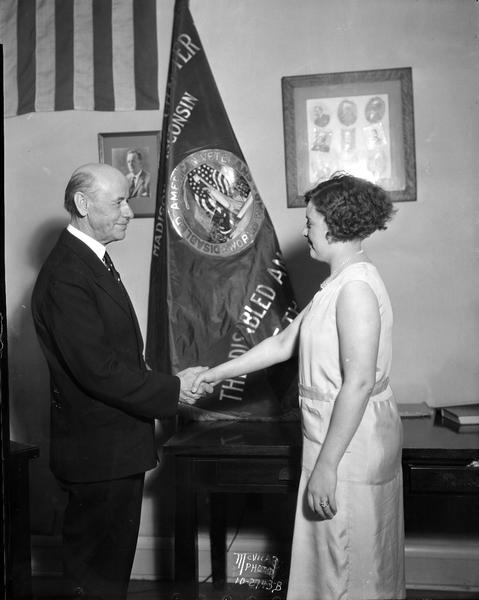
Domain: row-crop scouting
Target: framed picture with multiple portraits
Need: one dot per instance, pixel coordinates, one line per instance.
(359, 122)
(136, 155)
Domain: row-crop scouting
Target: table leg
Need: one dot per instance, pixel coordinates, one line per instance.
(218, 520)
(19, 513)
(186, 530)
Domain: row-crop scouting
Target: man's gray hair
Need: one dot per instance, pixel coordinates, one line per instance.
(80, 181)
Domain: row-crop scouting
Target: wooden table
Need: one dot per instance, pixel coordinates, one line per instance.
(232, 457)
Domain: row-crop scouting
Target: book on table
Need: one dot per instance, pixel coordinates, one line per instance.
(469, 428)
(467, 414)
(414, 409)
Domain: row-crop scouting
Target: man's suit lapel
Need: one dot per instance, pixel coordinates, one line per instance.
(104, 280)
(100, 273)
(139, 338)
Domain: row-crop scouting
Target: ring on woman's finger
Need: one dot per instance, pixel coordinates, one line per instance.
(323, 503)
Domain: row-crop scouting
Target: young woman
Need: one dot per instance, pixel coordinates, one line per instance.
(348, 538)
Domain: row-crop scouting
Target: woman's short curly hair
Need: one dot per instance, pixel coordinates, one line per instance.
(352, 208)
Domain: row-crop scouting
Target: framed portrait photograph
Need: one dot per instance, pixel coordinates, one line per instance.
(136, 155)
(358, 122)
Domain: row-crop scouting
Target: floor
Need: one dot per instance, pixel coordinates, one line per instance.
(52, 589)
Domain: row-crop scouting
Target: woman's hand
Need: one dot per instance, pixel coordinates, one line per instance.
(203, 380)
(187, 378)
(321, 491)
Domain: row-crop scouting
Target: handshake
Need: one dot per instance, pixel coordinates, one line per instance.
(195, 382)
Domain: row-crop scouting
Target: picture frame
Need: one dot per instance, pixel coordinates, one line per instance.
(134, 152)
(359, 122)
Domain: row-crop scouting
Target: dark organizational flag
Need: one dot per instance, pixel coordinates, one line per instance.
(79, 55)
(218, 283)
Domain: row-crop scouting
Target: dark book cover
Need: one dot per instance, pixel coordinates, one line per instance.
(467, 414)
(467, 428)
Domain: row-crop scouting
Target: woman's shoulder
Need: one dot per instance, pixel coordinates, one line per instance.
(364, 270)
(368, 273)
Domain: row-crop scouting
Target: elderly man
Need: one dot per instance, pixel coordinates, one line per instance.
(104, 398)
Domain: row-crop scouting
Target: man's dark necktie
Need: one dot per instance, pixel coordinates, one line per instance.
(132, 186)
(109, 265)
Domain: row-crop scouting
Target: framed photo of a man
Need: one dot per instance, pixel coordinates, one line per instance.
(136, 154)
(360, 122)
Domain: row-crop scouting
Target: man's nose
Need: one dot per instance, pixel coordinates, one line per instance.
(127, 212)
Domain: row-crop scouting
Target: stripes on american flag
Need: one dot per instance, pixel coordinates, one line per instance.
(79, 55)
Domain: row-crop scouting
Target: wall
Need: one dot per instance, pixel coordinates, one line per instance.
(428, 256)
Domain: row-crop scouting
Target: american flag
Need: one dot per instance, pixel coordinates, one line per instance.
(79, 55)
(201, 179)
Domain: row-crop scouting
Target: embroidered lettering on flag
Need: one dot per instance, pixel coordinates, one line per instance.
(79, 55)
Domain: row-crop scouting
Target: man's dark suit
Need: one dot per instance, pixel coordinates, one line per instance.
(103, 397)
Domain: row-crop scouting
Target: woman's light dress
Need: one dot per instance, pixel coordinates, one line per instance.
(359, 554)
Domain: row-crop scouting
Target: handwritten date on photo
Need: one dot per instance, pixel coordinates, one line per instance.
(263, 585)
(260, 584)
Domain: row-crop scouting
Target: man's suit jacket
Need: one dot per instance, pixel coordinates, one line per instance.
(142, 185)
(103, 398)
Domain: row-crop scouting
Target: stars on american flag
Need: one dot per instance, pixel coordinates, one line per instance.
(200, 179)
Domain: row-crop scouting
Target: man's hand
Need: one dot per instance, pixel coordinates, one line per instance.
(187, 377)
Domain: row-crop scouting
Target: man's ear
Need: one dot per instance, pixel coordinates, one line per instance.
(328, 237)
(81, 203)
